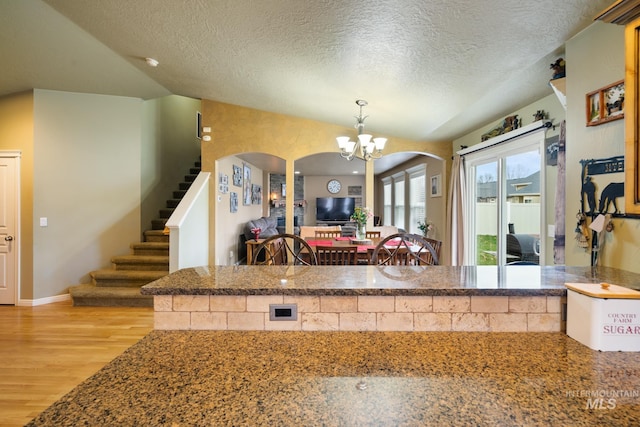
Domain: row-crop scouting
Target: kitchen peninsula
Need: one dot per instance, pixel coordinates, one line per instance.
(372, 298)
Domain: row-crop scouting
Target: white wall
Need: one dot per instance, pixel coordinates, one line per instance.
(86, 183)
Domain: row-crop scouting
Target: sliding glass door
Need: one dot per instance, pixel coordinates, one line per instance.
(506, 202)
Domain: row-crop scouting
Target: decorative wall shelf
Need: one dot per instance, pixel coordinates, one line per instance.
(559, 86)
(280, 203)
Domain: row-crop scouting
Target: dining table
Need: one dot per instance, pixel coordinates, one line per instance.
(365, 250)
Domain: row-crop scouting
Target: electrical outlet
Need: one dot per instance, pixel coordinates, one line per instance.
(230, 254)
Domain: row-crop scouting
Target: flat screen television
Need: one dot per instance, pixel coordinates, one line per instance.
(334, 208)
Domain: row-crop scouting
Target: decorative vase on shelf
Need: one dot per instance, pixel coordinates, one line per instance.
(361, 231)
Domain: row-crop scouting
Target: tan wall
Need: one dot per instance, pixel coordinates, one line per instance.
(595, 58)
(86, 179)
(231, 225)
(16, 134)
(316, 186)
(237, 129)
(436, 206)
(169, 148)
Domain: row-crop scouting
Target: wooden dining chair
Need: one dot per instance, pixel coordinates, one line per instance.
(372, 234)
(337, 255)
(284, 249)
(404, 249)
(436, 244)
(328, 234)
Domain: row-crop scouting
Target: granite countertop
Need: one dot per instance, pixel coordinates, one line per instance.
(384, 280)
(233, 378)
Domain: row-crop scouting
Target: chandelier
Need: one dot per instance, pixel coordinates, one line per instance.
(365, 147)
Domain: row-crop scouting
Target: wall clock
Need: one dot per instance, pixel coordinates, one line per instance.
(334, 186)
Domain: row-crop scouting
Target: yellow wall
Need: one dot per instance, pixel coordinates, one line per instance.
(16, 134)
(236, 129)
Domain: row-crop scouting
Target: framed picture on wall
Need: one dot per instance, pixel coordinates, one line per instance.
(256, 194)
(237, 176)
(605, 104)
(436, 185)
(233, 202)
(246, 199)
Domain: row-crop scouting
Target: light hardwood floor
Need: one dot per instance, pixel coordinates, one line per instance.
(46, 351)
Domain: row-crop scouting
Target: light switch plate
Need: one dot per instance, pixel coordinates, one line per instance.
(43, 222)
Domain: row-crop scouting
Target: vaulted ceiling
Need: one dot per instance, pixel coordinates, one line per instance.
(430, 70)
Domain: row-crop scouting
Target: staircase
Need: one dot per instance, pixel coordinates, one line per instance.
(148, 261)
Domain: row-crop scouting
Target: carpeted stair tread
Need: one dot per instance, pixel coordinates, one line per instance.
(140, 259)
(156, 236)
(125, 278)
(150, 248)
(90, 295)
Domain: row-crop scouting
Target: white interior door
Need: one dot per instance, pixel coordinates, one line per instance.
(9, 203)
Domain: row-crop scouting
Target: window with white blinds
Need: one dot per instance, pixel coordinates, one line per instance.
(387, 197)
(417, 198)
(398, 200)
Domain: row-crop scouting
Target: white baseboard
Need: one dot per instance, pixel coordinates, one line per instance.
(42, 301)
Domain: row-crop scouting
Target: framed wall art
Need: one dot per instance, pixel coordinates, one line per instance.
(237, 176)
(256, 194)
(233, 202)
(246, 199)
(436, 185)
(605, 104)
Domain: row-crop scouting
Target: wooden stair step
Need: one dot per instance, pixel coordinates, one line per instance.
(150, 248)
(91, 295)
(125, 278)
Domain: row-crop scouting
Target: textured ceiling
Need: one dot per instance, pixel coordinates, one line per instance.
(431, 70)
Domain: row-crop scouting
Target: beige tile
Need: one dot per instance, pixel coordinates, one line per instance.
(261, 302)
(394, 321)
(455, 304)
(209, 321)
(163, 303)
(228, 303)
(489, 304)
(543, 322)
(554, 304)
(190, 303)
(282, 325)
(376, 304)
(419, 304)
(320, 322)
(245, 321)
(332, 304)
(432, 321)
(528, 304)
(306, 304)
(508, 322)
(357, 321)
(471, 322)
(172, 320)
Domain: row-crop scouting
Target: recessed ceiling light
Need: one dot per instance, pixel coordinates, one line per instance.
(152, 62)
(297, 172)
(356, 172)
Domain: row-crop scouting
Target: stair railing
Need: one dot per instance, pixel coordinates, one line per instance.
(188, 227)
